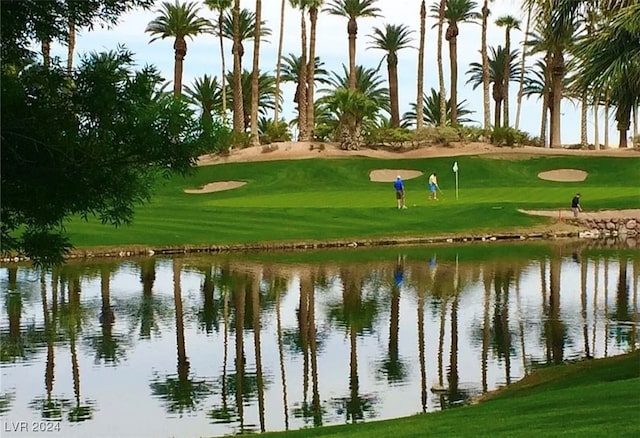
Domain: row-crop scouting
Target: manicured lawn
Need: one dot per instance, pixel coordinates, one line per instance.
(334, 199)
(599, 398)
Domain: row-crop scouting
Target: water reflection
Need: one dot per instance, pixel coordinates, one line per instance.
(218, 345)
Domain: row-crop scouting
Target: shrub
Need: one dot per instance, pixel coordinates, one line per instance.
(275, 132)
(241, 140)
(390, 137)
(508, 136)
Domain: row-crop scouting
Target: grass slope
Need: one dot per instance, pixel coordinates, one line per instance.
(334, 199)
(599, 398)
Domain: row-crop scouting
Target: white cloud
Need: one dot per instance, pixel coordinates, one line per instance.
(203, 54)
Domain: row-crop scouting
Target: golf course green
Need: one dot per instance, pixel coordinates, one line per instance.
(325, 199)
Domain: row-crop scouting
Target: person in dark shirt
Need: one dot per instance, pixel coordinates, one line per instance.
(399, 186)
(575, 205)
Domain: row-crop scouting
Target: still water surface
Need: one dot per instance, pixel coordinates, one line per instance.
(214, 345)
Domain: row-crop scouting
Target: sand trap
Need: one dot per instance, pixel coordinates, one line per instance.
(390, 175)
(217, 187)
(563, 175)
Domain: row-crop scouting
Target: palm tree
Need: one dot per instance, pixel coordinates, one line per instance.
(279, 61)
(255, 75)
(607, 60)
(534, 84)
(457, 11)
(352, 109)
(508, 22)
(266, 86)
(353, 9)
(207, 94)
(419, 108)
(443, 91)
(368, 82)
(431, 113)
(313, 6)
(522, 63)
(556, 37)
(247, 28)
(485, 66)
(238, 108)
(392, 39)
(496, 76)
(221, 6)
(301, 88)
(179, 21)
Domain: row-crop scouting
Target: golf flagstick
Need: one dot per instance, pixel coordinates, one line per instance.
(455, 170)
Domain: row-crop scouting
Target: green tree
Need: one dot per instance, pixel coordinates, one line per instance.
(179, 21)
(114, 135)
(313, 6)
(266, 95)
(301, 86)
(352, 108)
(255, 75)
(391, 39)
(419, 108)
(352, 10)
(485, 66)
(247, 28)
(206, 94)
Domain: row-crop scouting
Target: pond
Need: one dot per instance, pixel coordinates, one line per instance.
(211, 345)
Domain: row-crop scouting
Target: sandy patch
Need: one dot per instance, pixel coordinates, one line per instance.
(601, 214)
(216, 187)
(390, 175)
(306, 150)
(563, 175)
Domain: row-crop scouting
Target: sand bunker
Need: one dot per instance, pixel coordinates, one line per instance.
(389, 175)
(563, 175)
(217, 187)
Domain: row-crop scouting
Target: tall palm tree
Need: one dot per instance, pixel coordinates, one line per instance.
(266, 102)
(556, 38)
(368, 82)
(496, 76)
(456, 12)
(238, 107)
(535, 85)
(391, 39)
(508, 22)
(301, 89)
(485, 66)
(419, 107)
(255, 75)
(353, 9)
(313, 6)
(443, 92)
(276, 110)
(221, 6)
(247, 28)
(179, 21)
(352, 109)
(522, 64)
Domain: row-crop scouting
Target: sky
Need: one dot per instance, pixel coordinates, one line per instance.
(203, 54)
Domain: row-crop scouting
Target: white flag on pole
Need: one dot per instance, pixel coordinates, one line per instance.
(455, 170)
(455, 166)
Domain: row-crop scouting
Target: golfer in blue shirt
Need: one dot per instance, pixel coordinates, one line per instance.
(399, 186)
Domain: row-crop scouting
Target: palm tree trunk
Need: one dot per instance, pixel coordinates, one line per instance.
(485, 67)
(596, 127)
(543, 122)
(279, 60)
(635, 124)
(557, 86)
(507, 76)
(443, 91)
(313, 18)
(224, 68)
(71, 47)
(255, 140)
(453, 59)
(420, 92)
(584, 141)
(392, 71)
(352, 30)
(606, 120)
(46, 54)
(180, 49)
(522, 63)
(623, 117)
(303, 128)
(238, 110)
